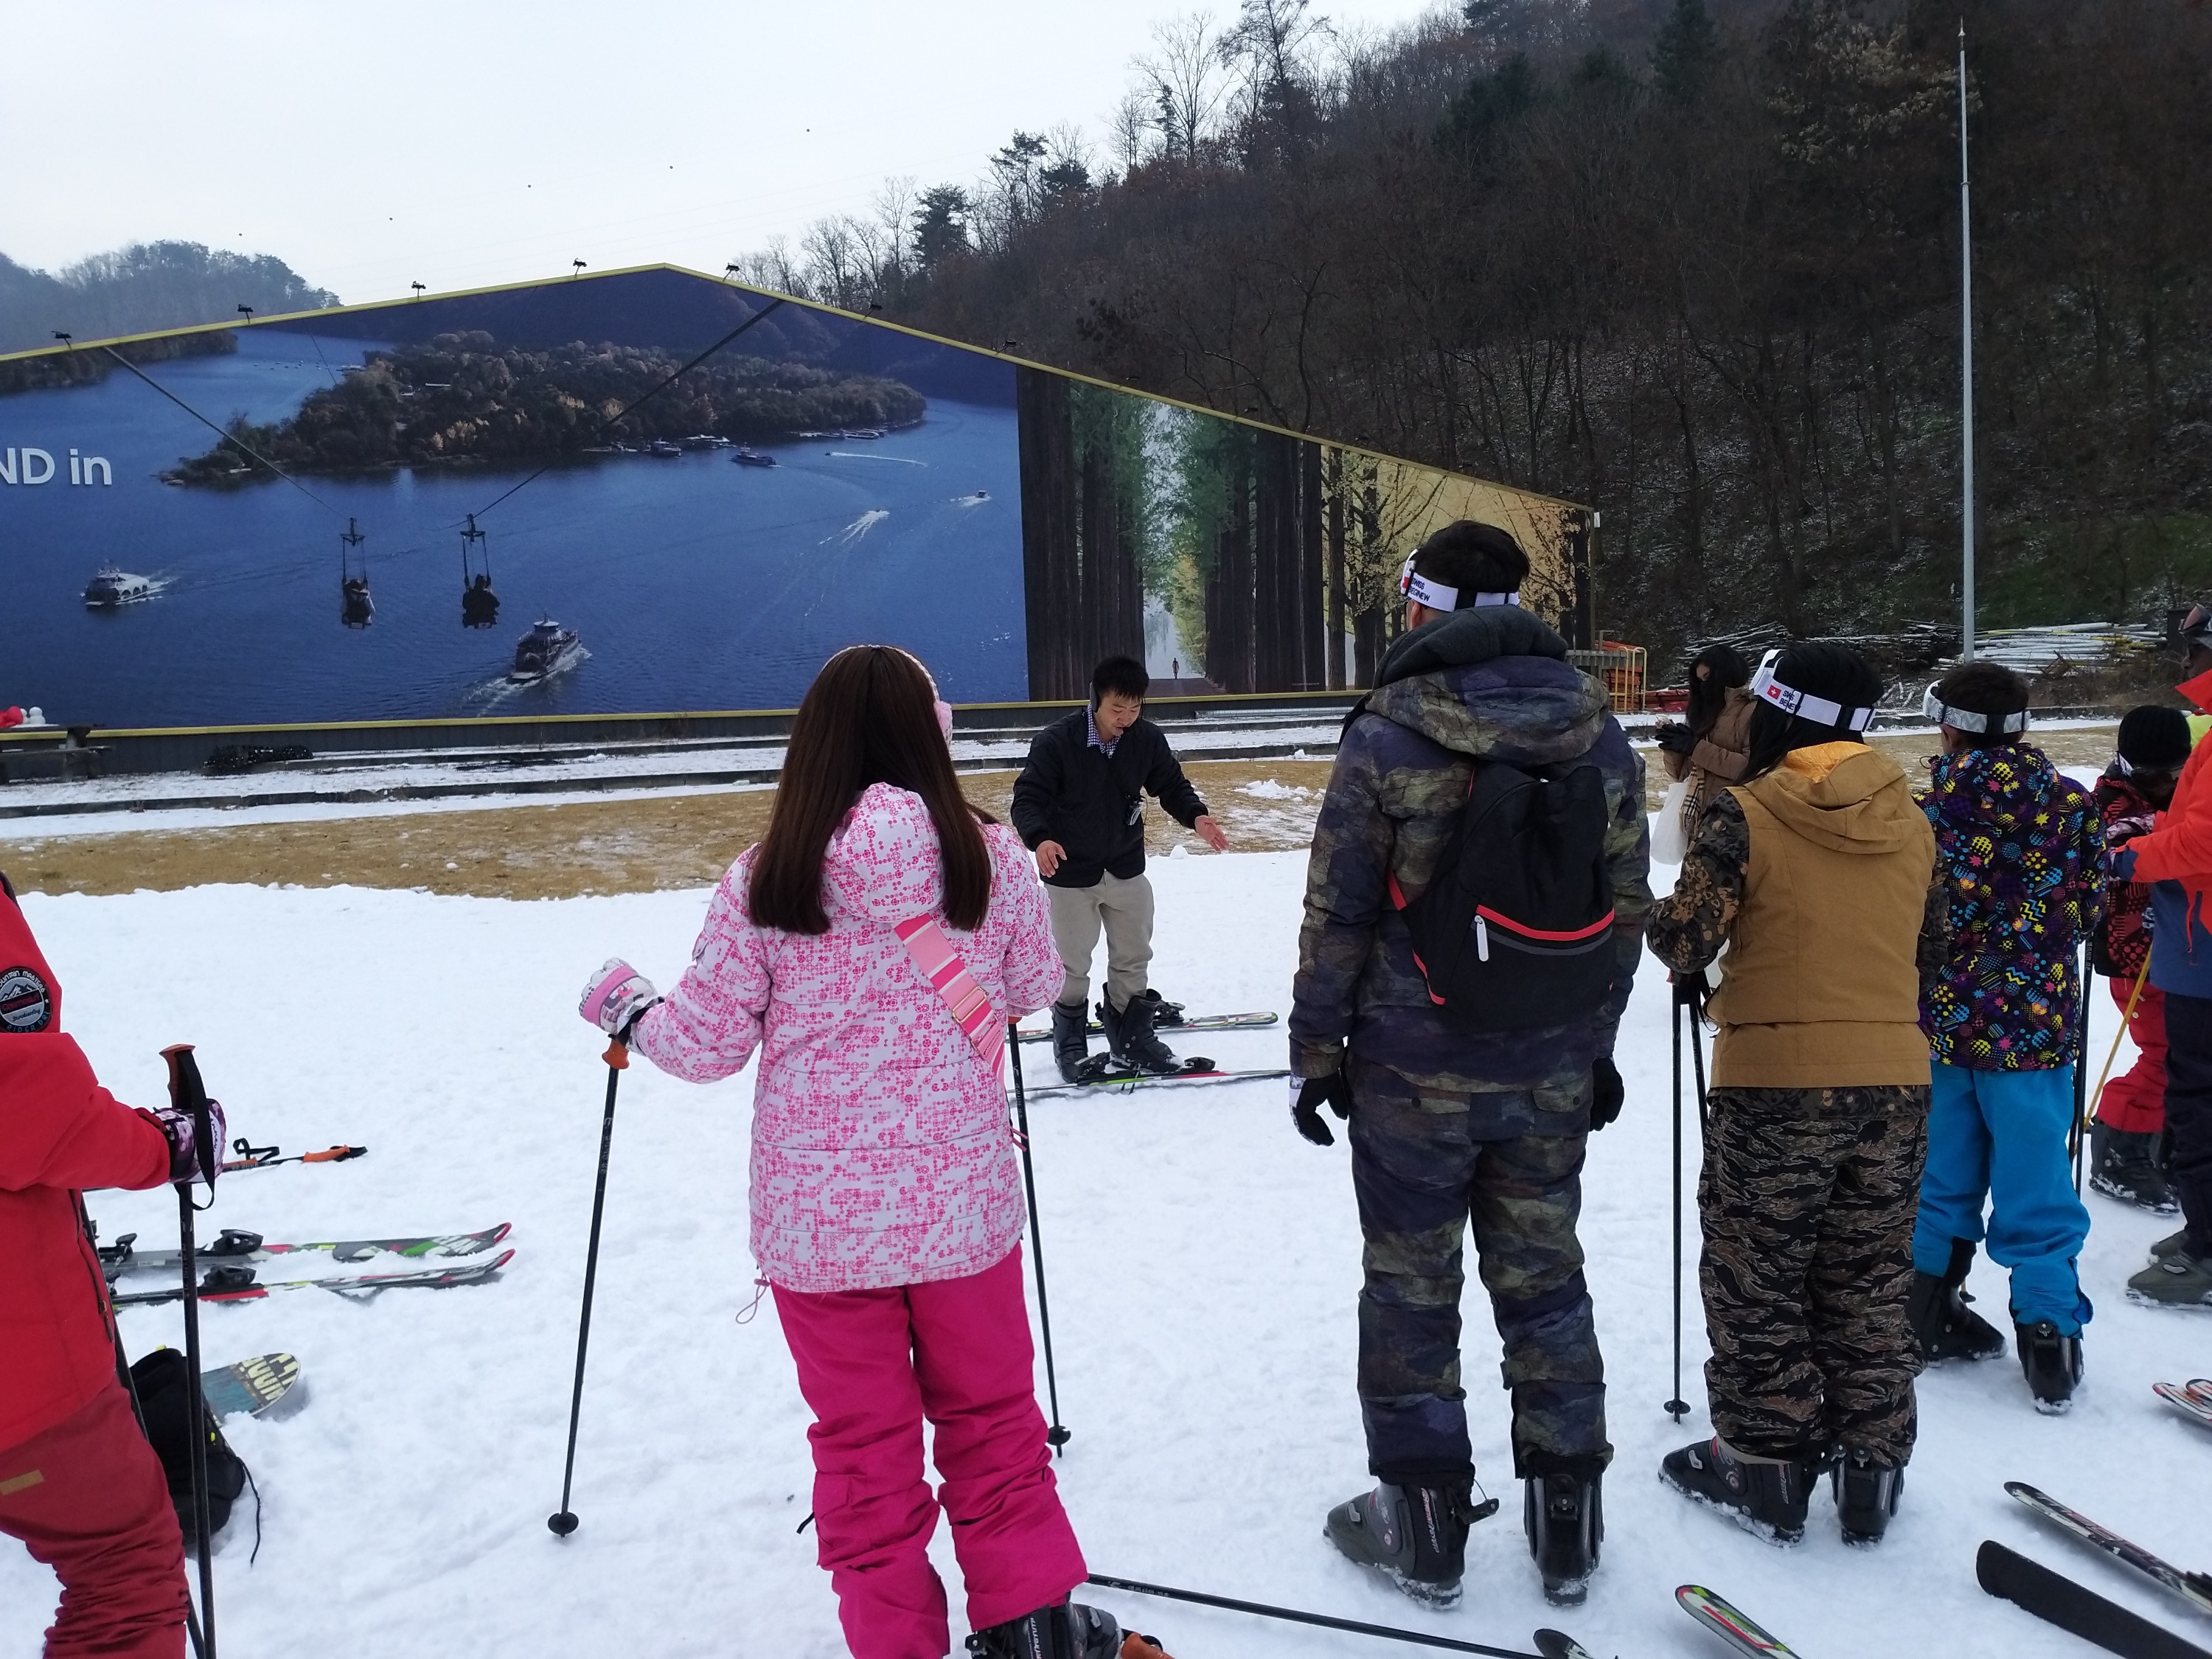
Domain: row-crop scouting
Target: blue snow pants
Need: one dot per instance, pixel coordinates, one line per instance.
(2001, 1136)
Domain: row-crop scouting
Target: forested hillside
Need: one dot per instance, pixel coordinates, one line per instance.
(1696, 265)
(146, 285)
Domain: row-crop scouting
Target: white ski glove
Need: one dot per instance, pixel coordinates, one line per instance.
(615, 997)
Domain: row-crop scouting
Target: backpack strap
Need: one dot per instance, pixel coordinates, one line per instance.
(946, 971)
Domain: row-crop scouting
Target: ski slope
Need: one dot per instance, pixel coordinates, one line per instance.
(1203, 1261)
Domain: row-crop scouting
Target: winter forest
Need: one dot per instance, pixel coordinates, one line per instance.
(1693, 261)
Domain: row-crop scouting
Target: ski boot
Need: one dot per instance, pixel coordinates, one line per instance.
(1416, 1535)
(2180, 1279)
(1866, 1494)
(1564, 1515)
(1946, 1326)
(2124, 1164)
(1071, 1040)
(1129, 1036)
(2053, 1363)
(2175, 1243)
(1070, 1631)
(1766, 1497)
(1164, 1013)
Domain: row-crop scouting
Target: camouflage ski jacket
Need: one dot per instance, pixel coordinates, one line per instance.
(1487, 684)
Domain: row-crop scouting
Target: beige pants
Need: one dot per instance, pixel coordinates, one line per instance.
(1124, 909)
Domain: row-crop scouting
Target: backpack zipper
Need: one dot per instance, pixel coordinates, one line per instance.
(1481, 938)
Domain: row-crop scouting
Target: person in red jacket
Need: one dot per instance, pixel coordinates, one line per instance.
(78, 1483)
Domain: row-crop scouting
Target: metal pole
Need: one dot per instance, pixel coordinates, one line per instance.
(1966, 367)
(1058, 1434)
(562, 1522)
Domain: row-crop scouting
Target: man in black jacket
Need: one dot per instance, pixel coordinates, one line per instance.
(1079, 806)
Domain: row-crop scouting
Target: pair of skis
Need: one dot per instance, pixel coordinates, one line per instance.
(229, 1279)
(1101, 1073)
(2193, 1398)
(2057, 1599)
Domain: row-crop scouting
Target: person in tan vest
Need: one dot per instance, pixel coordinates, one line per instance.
(1814, 875)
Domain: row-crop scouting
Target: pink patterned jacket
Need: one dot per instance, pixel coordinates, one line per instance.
(881, 1152)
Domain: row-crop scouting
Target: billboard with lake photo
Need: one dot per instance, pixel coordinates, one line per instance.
(429, 509)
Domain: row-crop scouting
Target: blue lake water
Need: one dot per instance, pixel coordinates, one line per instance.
(695, 583)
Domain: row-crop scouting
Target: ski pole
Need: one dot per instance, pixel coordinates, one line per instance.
(2078, 1134)
(1697, 1069)
(1676, 1406)
(189, 1094)
(562, 1522)
(1060, 1434)
(1292, 1615)
(2127, 1018)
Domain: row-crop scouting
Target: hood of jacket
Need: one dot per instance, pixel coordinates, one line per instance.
(1494, 684)
(2001, 789)
(882, 862)
(1846, 797)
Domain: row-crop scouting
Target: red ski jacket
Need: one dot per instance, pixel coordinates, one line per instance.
(59, 1132)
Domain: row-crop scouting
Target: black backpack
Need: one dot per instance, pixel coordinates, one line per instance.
(164, 1389)
(1516, 929)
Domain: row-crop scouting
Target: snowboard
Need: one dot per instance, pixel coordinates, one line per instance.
(254, 1387)
(1729, 1622)
(2193, 1397)
(124, 1256)
(1127, 1082)
(2057, 1600)
(2194, 1587)
(355, 1286)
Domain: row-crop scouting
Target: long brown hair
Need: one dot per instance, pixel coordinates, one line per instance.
(868, 718)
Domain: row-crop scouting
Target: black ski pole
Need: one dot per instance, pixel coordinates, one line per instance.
(2080, 1077)
(1697, 1069)
(563, 1520)
(1060, 1434)
(1292, 1615)
(189, 1094)
(1677, 1407)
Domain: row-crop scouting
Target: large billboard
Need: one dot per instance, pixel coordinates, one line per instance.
(649, 492)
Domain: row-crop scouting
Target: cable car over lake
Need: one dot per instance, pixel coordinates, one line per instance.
(479, 605)
(355, 608)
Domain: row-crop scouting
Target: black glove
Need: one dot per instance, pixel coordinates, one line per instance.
(1307, 1095)
(1606, 1092)
(1676, 738)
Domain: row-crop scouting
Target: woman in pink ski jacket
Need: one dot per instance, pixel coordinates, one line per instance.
(886, 1202)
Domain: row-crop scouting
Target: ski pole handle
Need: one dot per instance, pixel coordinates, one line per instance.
(616, 1056)
(188, 1095)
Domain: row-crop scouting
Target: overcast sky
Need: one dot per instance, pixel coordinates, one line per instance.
(471, 141)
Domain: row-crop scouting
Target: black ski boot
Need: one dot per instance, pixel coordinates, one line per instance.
(2053, 1363)
(1866, 1494)
(2171, 1244)
(1129, 1035)
(1071, 1041)
(1767, 1499)
(2124, 1164)
(1070, 1631)
(1164, 1013)
(1563, 1515)
(1946, 1326)
(1417, 1535)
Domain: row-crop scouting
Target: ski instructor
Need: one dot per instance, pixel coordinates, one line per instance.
(1079, 806)
(78, 1483)
(1450, 1121)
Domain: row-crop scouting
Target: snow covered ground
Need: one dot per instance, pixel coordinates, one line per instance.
(1203, 1264)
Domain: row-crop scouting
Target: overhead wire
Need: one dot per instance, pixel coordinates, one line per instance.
(611, 421)
(231, 438)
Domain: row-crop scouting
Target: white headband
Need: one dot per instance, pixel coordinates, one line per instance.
(1821, 711)
(1437, 597)
(1967, 720)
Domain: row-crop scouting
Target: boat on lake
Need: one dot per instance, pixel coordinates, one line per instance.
(544, 652)
(661, 449)
(746, 455)
(111, 587)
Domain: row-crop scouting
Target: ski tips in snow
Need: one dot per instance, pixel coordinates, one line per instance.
(1729, 1622)
(2194, 1587)
(2057, 1600)
(1558, 1644)
(2193, 1399)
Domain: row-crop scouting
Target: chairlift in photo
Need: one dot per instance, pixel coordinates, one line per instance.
(355, 608)
(479, 605)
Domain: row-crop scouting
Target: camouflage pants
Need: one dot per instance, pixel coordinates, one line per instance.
(1424, 1165)
(1808, 1198)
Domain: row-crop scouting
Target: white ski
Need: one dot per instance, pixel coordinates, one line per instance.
(1730, 1623)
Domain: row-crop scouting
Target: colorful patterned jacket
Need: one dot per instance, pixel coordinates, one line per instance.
(2123, 942)
(1492, 683)
(2022, 845)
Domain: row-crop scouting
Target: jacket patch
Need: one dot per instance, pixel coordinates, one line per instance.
(25, 1005)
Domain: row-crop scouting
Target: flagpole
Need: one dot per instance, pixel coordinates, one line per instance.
(1967, 367)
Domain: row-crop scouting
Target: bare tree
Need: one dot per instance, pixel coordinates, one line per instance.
(1185, 81)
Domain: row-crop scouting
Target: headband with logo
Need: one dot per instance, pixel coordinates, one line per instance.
(1821, 711)
(1437, 597)
(1969, 720)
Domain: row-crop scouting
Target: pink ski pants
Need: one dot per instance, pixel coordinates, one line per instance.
(872, 1365)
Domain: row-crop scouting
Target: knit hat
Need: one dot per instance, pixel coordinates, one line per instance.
(2153, 738)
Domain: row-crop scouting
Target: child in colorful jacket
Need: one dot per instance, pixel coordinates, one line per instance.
(2138, 785)
(2022, 844)
(886, 1203)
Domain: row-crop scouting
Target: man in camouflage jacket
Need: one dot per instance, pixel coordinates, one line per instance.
(1449, 1124)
